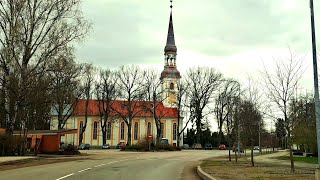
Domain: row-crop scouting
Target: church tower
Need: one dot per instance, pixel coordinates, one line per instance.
(170, 74)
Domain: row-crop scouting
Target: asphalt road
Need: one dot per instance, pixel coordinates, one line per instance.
(116, 165)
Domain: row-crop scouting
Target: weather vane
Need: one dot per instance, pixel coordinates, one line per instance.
(171, 4)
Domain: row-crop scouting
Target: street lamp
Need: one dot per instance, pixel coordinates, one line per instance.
(315, 81)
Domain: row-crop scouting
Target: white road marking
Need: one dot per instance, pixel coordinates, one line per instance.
(112, 162)
(84, 170)
(99, 165)
(65, 176)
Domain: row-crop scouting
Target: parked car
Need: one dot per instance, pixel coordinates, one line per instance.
(121, 145)
(222, 147)
(164, 141)
(237, 149)
(84, 146)
(208, 146)
(196, 146)
(256, 148)
(106, 146)
(186, 146)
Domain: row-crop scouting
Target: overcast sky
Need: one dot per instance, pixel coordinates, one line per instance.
(233, 36)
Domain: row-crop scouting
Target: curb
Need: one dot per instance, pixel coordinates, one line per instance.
(204, 175)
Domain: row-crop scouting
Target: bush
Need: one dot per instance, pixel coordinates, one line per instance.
(8, 145)
(69, 150)
(144, 146)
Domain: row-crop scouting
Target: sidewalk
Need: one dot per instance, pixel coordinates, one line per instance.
(271, 159)
(9, 159)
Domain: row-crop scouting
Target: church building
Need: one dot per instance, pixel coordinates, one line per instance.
(143, 124)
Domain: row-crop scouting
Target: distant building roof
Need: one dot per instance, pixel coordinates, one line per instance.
(118, 106)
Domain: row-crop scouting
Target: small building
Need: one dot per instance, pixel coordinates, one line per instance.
(45, 141)
(2, 131)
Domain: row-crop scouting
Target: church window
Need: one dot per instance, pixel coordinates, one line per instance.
(95, 130)
(174, 131)
(122, 131)
(171, 86)
(109, 131)
(149, 128)
(161, 130)
(135, 134)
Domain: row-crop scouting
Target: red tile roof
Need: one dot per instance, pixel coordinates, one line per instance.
(118, 106)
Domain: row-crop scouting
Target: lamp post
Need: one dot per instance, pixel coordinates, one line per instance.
(315, 81)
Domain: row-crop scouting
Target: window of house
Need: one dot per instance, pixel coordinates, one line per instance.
(135, 134)
(149, 128)
(109, 131)
(161, 130)
(174, 131)
(122, 131)
(171, 86)
(95, 130)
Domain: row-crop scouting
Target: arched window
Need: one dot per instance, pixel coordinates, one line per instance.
(161, 130)
(95, 130)
(171, 86)
(109, 131)
(174, 131)
(135, 134)
(149, 128)
(122, 131)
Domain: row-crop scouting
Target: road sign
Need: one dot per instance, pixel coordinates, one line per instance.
(150, 136)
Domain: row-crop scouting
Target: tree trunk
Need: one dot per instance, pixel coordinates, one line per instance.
(291, 159)
(104, 136)
(129, 134)
(80, 137)
(158, 134)
(236, 155)
(198, 130)
(229, 154)
(252, 161)
(178, 130)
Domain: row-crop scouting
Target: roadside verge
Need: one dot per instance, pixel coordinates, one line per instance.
(204, 175)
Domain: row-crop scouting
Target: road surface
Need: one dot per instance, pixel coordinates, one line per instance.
(116, 165)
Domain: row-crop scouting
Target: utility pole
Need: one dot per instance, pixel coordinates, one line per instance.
(316, 85)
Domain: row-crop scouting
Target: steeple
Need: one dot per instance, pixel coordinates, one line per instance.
(170, 46)
(170, 75)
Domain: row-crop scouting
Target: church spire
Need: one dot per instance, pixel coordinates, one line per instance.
(170, 46)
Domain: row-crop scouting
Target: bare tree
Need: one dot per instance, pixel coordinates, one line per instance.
(31, 34)
(86, 87)
(153, 95)
(225, 106)
(202, 83)
(254, 95)
(65, 76)
(250, 118)
(281, 86)
(182, 107)
(130, 86)
(106, 93)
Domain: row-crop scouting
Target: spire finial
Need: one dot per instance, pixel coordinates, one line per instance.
(171, 4)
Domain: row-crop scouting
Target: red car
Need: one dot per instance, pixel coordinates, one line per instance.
(222, 147)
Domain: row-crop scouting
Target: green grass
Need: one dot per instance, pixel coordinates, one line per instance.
(312, 160)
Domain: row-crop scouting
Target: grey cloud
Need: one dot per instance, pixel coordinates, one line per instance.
(128, 32)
